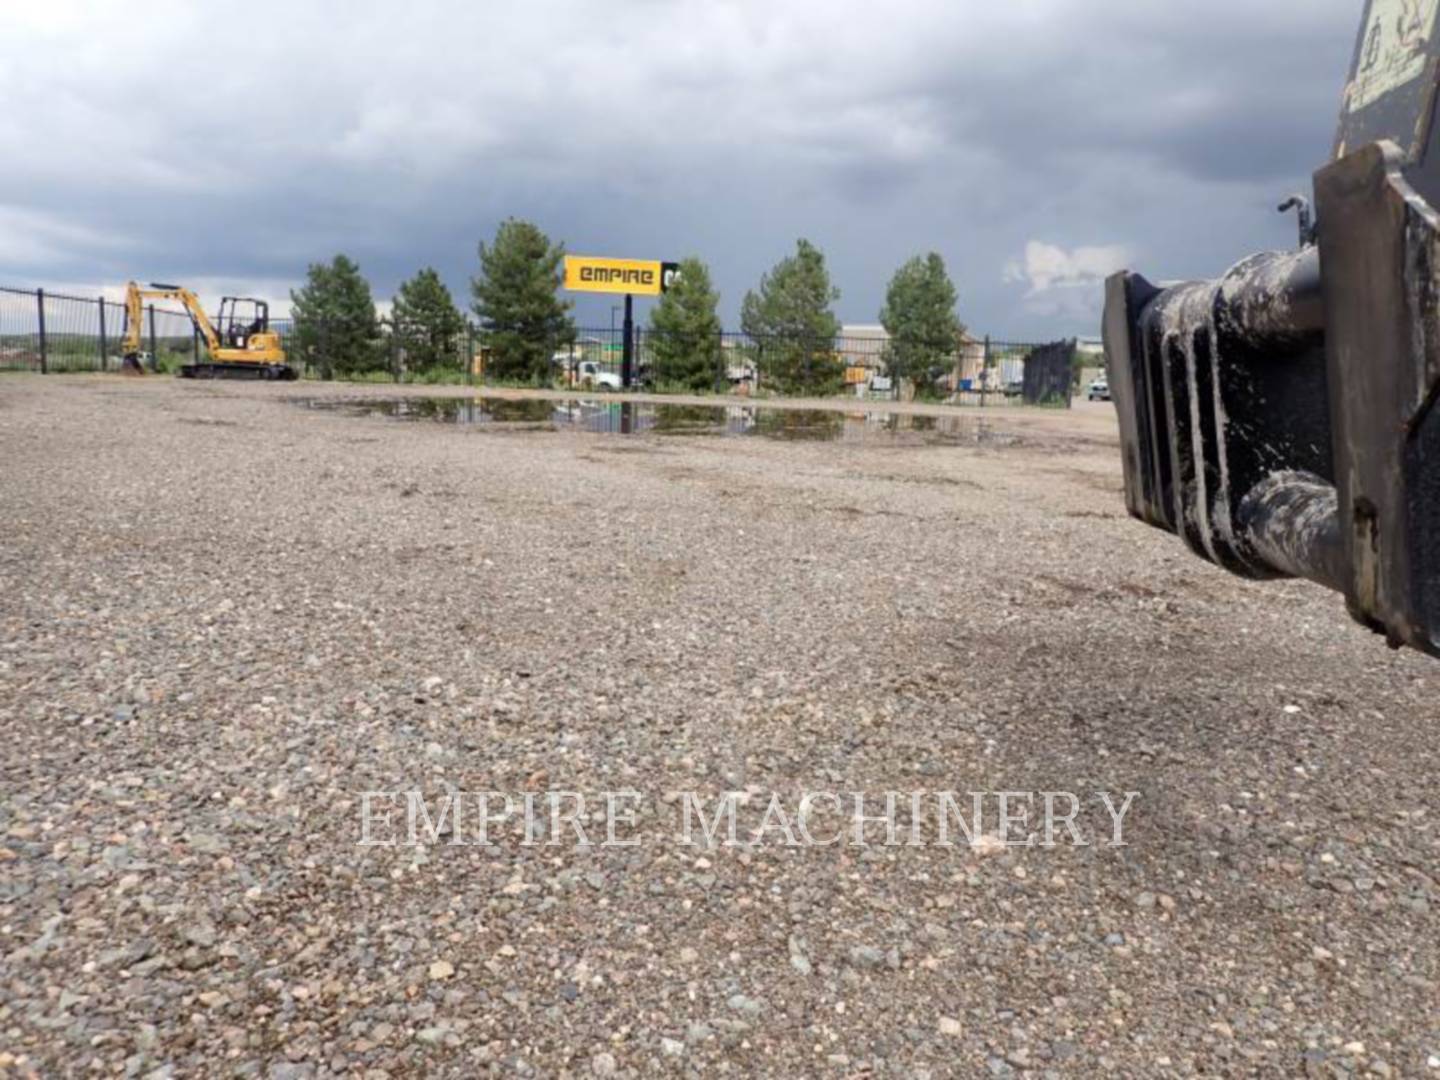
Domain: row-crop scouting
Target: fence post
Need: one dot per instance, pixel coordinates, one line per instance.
(154, 353)
(104, 362)
(1070, 357)
(394, 351)
(985, 372)
(720, 361)
(469, 352)
(44, 351)
(195, 346)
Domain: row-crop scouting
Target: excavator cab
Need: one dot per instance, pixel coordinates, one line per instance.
(241, 318)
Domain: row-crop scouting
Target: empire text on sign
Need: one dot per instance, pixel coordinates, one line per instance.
(638, 277)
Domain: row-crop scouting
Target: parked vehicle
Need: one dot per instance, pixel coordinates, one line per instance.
(591, 376)
(1100, 389)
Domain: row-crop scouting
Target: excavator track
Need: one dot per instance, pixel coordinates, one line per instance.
(267, 372)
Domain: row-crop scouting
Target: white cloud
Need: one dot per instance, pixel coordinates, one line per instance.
(1048, 266)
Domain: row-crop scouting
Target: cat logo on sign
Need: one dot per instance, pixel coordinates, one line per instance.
(635, 277)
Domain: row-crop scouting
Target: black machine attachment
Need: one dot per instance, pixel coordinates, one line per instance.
(1283, 419)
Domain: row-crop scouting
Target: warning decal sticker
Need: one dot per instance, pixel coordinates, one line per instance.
(1393, 51)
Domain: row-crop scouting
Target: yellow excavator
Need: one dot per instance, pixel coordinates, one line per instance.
(240, 341)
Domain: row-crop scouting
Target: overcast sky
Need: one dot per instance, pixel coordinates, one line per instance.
(1036, 144)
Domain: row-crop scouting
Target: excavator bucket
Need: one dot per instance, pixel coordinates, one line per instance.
(1282, 419)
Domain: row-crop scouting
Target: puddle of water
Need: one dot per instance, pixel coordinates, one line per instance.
(643, 418)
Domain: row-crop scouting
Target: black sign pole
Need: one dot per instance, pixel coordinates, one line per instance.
(627, 364)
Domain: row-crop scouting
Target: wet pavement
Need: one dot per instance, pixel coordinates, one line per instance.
(697, 421)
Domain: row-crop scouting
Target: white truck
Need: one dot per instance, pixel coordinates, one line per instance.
(589, 375)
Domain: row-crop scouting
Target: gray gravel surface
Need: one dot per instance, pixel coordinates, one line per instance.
(223, 618)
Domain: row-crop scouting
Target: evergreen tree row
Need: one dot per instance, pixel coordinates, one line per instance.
(524, 319)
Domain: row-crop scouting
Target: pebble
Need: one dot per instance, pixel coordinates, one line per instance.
(867, 956)
(747, 1005)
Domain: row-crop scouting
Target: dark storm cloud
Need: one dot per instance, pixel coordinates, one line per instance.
(1036, 144)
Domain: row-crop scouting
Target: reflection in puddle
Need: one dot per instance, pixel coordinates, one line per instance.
(643, 418)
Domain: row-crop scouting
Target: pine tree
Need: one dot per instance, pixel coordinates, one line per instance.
(428, 323)
(522, 318)
(685, 331)
(335, 325)
(919, 317)
(790, 320)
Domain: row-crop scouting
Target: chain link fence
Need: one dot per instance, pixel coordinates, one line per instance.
(54, 332)
(980, 372)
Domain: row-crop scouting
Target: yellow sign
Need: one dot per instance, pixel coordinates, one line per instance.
(639, 277)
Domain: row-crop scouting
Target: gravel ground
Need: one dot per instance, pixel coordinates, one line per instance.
(223, 619)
